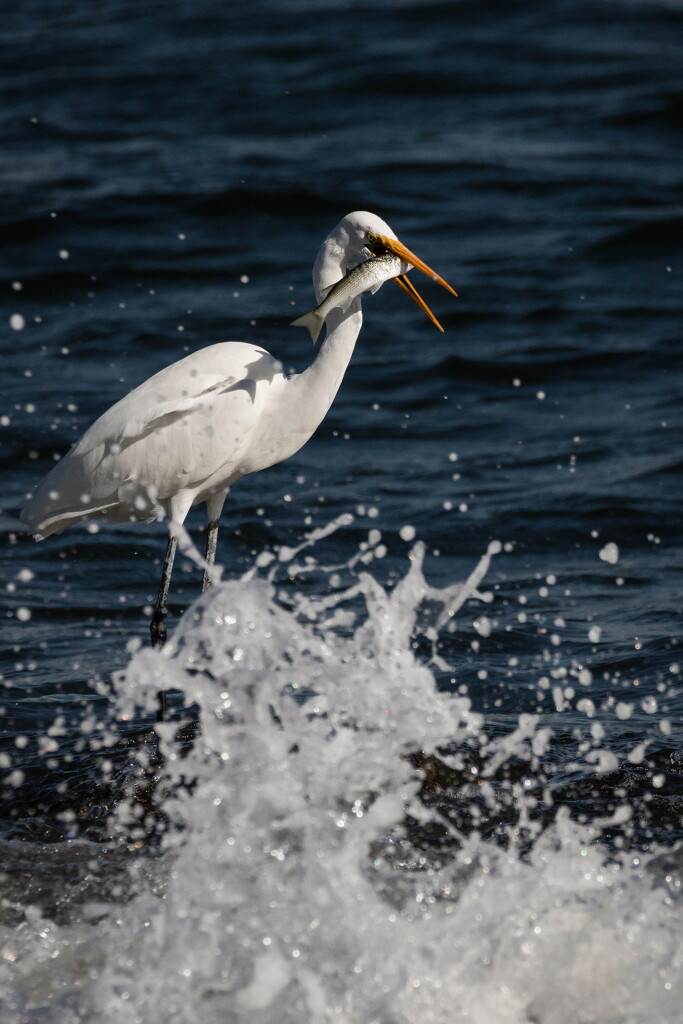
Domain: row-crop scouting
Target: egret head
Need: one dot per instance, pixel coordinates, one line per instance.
(359, 236)
(357, 232)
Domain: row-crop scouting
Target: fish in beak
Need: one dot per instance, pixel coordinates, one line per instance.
(379, 244)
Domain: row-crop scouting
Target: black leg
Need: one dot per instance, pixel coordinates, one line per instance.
(158, 624)
(211, 539)
(161, 706)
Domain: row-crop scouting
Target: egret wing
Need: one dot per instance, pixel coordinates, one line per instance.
(178, 431)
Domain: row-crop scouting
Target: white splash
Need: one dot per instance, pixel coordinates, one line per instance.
(286, 899)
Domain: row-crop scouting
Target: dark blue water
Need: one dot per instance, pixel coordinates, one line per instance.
(169, 171)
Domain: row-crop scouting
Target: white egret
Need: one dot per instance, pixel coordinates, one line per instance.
(192, 430)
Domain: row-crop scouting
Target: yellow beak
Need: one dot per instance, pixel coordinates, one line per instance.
(409, 288)
(380, 243)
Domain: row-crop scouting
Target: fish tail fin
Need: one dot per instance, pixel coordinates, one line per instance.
(313, 321)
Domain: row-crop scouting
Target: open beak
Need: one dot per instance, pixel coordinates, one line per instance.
(409, 288)
(380, 243)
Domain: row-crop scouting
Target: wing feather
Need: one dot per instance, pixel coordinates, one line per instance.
(178, 430)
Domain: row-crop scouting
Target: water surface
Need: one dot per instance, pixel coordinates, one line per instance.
(392, 813)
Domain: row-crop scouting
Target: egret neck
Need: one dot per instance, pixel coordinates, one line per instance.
(317, 386)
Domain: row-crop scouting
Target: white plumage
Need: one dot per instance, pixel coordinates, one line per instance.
(192, 430)
(179, 439)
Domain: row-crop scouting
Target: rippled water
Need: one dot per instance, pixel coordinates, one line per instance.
(364, 808)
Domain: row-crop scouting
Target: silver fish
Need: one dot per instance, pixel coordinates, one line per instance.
(366, 276)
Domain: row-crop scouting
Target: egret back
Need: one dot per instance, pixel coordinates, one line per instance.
(185, 431)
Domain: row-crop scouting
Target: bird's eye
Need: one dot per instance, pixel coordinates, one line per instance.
(374, 243)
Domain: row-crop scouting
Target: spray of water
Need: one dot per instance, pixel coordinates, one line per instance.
(286, 890)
